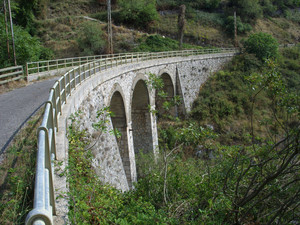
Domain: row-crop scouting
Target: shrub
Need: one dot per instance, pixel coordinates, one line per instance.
(293, 15)
(139, 13)
(209, 18)
(28, 48)
(157, 43)
(90, 39)
(268, 8)
(248, 10)
(242, 28)
(263, 45)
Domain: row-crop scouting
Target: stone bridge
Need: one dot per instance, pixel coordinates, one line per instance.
(124, 89)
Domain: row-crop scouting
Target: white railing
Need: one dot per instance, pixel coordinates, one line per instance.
(44, 199)
(10, 74)
(40, 67)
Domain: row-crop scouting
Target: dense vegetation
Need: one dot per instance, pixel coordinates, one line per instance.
(234, 160)
(28, 48)
(56, 25)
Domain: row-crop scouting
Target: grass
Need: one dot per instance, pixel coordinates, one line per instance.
(12, 85)
(195, 32)
(17, 171)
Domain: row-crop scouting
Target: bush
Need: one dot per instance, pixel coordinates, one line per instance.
(263, 45)
(139, 13)
(248, 10)
(28, 48)
(293, 15)
(206, 18)
(157, 43)
(91, 39)
(268, 8)
(242, 28)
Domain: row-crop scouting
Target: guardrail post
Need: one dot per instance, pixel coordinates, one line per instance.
(54, 109)
(79, 74)
(26, 71)
(74, 78)
(59, 99)
(69, 76)
(84, 71)
(90, 70)
(94, 65)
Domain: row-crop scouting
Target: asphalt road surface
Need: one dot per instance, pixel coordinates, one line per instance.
(17, 106)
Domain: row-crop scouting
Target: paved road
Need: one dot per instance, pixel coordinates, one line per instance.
(17, 106)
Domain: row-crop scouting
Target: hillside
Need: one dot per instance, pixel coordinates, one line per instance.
(65, 27)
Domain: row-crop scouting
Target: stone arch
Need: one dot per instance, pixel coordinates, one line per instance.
(141, 119)
(170, 92)
(119, 122)
(171, 75)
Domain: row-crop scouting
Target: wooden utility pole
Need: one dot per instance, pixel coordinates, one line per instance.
(181, 24)
(6, 29)
(109, 25)
(235, 30)
(12, 33)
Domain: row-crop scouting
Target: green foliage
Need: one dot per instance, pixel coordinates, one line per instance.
(254, 183)
(157, 43)
(139, 13)
(195, 4)
(91, 40)
(28, 48)
(248, 10)
(263, 45)
(293, 15)
(24, 14)
(17, 172)
(92, 202)
(268, 8)
(290, 67)
(207, 18)
(242, 28)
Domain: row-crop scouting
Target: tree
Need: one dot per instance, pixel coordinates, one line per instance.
(28, 48)
(263, 45)
(248, 10)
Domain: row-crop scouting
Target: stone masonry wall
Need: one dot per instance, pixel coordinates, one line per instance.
(193, 75)
(108, 160)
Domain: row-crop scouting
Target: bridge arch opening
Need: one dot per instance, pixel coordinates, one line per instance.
(168, 89)
(141, 120)
(119, 122)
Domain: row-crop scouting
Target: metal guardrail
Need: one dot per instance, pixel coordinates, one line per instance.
(10, 74)
(44, 199)
(58, 64)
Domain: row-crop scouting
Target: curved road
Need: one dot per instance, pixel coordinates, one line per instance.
(17, 106)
